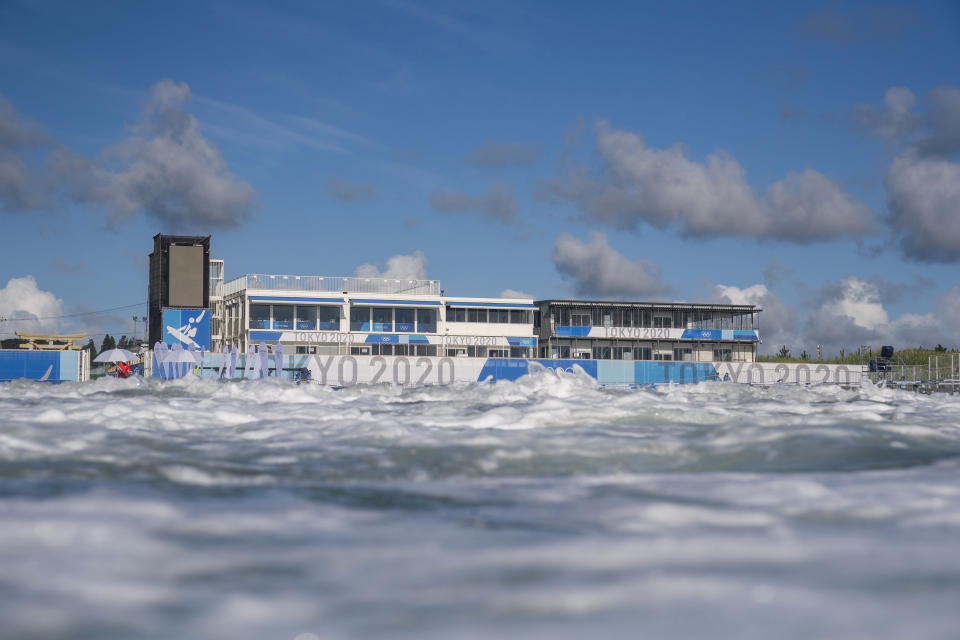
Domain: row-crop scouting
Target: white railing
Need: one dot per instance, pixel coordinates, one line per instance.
(334, 284)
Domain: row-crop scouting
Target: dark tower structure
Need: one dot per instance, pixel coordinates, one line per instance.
(179, 277)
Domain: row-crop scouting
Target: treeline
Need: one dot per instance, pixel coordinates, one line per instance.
(109, 342)
(916, 356)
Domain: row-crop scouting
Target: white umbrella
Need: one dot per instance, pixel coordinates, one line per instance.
(116, 355)
(182, 356)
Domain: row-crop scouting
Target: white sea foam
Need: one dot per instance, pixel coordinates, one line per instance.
(545, 507)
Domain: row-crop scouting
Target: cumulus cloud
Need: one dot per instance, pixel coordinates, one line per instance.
(923, 181)
(498, 204)
(399, 267)
(923, 198)
(21, 188)
(28, 308)
(513, 293)
(848, 25)
(499, 155)
(347, 191)
(597, 269)
(778, 320)
(934, 131)
(637, 184)
(166, 170)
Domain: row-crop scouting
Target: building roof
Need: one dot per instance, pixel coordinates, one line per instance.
(680, 306)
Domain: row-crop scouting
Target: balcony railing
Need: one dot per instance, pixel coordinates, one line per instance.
(334, 284)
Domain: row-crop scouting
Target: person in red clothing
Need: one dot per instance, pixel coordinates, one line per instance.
(123, 370)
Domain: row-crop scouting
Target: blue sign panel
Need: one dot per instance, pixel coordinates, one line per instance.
(187, 327)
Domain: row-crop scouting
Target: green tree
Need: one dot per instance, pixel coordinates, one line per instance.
(804, 355)
(784, 352)
(108, 343)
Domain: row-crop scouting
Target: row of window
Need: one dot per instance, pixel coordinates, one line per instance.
(294, 317)
(647, 318)
(393, 320)
(684, 354)
(497, 316)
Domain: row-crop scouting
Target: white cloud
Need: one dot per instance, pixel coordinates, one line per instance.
(638, 184)
(778, 321)
(399, 267)
(168, 170)
(892, 122)
(924, 200)
(598, 269)
(498, 155)
(498, 204)
(513, 293)
(27, 308)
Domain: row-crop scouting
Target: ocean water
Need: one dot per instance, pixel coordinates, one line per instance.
(542, 508)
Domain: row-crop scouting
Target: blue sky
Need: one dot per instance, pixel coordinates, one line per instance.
(800, 156)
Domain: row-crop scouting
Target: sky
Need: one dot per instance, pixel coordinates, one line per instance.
(804, 157)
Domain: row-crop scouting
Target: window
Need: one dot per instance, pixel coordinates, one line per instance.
(724, 355)
(476, 315)
(283, 316)
(683, 353)
(405, 320)
(644, 353)
(456, 315)
(306, 318)
(360, 319)
(359, 351)
(662, 322)
(602, 353)
(663, 356)
(498, 353)
(382, 319)
(427, 320)
(459, 352)
(580, 319)
(328, 318)
(622, 353)
(501, 316)
(259, 316)
(425, 349)
(303, 349)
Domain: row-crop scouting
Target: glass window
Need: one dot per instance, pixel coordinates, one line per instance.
(382, 319)
(663, 356)
(328, 318)
(359, 319)
(644, 353)
(283, 316)
(498, 353)
(602, 353)
(662, 322)
(499, 315)
(580, 318)
(476, 315)
(456, 314)
(622, 353)
(306, 318)
(259, 316)
(427, 320)
(683, 353)
(405, 320)
(724, 355)
(520, 352)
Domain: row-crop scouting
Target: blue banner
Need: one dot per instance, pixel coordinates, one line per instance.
(187, 327)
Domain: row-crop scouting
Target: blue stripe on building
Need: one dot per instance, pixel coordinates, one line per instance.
(572, 332)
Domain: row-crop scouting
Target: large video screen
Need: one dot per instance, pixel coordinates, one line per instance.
(186, 276)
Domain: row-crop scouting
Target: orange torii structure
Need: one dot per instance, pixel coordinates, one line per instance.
(50, 341)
